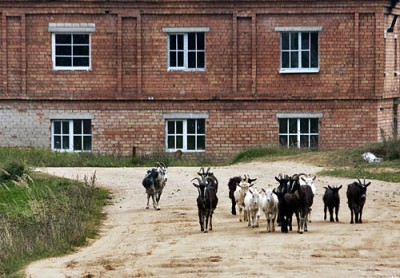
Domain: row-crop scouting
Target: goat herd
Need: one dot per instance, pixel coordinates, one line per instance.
(293, 196)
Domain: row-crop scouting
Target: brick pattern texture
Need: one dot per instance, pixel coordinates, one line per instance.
(129, 87)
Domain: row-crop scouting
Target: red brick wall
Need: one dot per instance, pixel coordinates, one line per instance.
(241, 87)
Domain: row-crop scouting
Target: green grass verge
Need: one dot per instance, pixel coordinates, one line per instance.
(47, 217)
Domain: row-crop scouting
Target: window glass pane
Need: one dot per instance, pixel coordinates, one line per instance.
(283, 140)
(57, 127)
(179, 127)
(180, 59)
(65, 142)
(192, 60)
(87, 143)
(65, 127)
(305, 59)
(285, 41)
(282, 125)
(87, 126)
(180, 42)
(191, 126)
(294, 60)
(294, 41)
(200, 41)
(171, 142)
(304, 125)
(172, 59)
(63, 61)
(285, 59)
(77, 143)
(314, 50)
(57, 142)
(81, 62)
(201, 126)
(171, 127)
(292, 125)
(201, 142)
(77, 126)
(81, 50)
(292, 141)
(179, 142)
(200, 60)
(63, 50)
(304, 141)
(191, 143)
(172, 42)
(81, 39)
(305, 41)
(314, 125)
(63, 39)
(314, 141)
(192, 41)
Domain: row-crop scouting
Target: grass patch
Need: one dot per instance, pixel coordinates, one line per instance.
(44, 217)
(263, 152)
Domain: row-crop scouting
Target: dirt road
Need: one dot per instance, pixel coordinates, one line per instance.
(135, 242)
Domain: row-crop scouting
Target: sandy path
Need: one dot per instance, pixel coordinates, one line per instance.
(135, 242)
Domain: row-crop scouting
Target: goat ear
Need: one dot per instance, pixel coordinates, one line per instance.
(196, 185)
(329, 187)
(339, 187)
(252, 180)
(277, 179)
(303, 179)
(314, 178)
(368, 184)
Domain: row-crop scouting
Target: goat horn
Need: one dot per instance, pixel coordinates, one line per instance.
(163, 165)
(359, 181)
(196, 178)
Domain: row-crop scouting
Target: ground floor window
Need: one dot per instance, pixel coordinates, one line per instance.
(71, 135)
(185, 134)
(299, 132)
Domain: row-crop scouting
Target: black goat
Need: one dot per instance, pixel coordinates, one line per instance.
(304, 200)
(331, 200)
(232, 184)
(154, 181)
(286, 207)
(356, 196)
(206, 201)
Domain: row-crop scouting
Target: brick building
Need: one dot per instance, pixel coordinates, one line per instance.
(210, 78)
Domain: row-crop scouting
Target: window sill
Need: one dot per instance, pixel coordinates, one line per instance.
(185, 69)
(184, 151)
(285, 71)
(72, 69)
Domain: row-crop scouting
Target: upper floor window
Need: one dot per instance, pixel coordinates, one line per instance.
(186, 48)
(71, 135)
(71, 45)
(299, 49)
(71, 51)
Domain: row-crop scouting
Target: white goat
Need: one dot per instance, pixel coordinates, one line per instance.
(252, 207)
(240, 193)
(308, 180)
(269, 205)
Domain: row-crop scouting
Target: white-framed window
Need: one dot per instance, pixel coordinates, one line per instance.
(185, 132)
(185, 135)
(186, 48)
(71, 135)
(300, 132)
(71, 45)
(299, 49)
(71, 51)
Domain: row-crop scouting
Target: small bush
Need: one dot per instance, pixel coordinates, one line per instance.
(14, 171)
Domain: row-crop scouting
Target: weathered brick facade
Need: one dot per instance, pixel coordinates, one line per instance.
(129, 88)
